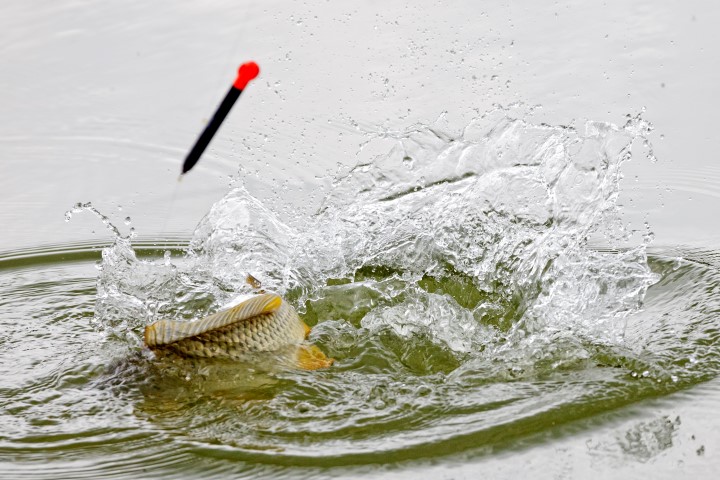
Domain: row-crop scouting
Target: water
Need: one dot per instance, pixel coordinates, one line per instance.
(475, 289)
(498, 222)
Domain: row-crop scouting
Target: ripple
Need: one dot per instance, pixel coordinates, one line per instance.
(457, 293)
(490, 313)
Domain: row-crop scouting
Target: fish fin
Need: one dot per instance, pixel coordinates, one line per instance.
(163, 332)
(306, 327)
(254, 283)
(310, 357)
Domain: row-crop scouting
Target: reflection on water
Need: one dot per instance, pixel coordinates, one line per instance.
(451, 278)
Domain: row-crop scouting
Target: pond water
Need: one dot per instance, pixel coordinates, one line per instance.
(499, 220)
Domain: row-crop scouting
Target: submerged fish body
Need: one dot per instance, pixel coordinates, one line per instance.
(259, 323)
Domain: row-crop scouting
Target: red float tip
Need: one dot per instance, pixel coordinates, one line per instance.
(246, 72)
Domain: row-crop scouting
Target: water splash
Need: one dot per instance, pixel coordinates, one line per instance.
(506, 208)
(453, 280)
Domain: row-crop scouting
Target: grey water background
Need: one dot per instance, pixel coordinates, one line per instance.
(102, 100)
(100, 103)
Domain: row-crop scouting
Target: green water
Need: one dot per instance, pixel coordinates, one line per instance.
(77, 403)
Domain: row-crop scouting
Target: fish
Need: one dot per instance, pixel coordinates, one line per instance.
(259, 322)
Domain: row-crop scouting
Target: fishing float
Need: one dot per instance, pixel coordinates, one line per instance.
(246, 73)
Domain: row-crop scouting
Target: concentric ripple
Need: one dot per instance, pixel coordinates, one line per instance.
(451, 279)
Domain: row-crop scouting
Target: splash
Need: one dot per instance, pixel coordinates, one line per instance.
(483, 279)
(474, 241)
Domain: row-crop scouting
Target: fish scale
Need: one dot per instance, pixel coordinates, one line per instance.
(262, 323)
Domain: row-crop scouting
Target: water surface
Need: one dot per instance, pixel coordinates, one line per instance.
(475, 290)
(530, 285)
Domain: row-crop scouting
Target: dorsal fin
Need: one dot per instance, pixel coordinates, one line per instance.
(168, 331)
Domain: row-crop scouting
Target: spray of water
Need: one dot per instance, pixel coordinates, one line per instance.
(456, 279)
